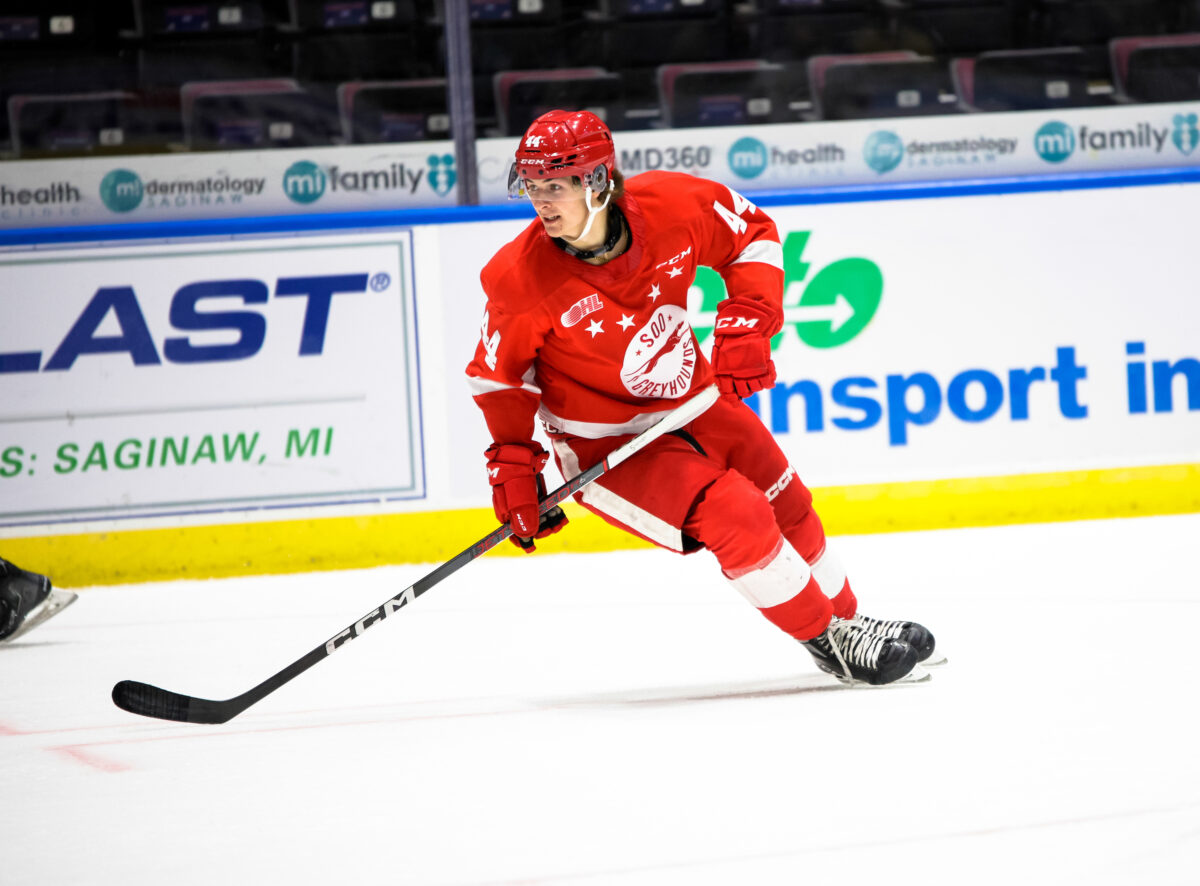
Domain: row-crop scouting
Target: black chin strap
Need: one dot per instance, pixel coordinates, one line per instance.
(616, 227)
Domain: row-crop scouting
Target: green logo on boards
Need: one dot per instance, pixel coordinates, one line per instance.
(442, 174)
(304, 182)
(1054, 141)
(122, 190)
(883, 151)
(748, 157)
(1184, 133)
(827, 311)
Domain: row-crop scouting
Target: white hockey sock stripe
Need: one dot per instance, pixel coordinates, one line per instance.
(829, 573)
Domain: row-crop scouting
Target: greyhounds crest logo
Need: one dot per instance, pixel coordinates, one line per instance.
(661, 357)
(441, 173)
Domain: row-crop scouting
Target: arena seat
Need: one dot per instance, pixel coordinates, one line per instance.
(729, 93)
(1095, 22)
(954, 27)
(1032, 79)
(647, 33)
(344, 15)
(73, 124)
(56, 73)
(883, 84)
(173, 20)
(521, 96)
(1157, 69)
(393, 110)
(56, 24)
(235, 114)
(792, 30)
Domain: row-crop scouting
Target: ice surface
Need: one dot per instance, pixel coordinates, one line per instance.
(625, 719)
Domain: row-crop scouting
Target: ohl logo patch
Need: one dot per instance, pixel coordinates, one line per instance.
(587, 305)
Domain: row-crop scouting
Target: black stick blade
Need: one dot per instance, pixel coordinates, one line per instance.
(150, 701)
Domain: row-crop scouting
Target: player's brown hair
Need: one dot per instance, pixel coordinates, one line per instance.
(618, 180)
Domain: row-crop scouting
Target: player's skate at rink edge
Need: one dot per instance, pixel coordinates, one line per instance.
(27, 599)
(585, 329)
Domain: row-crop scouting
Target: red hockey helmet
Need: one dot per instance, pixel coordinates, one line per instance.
(561, 143)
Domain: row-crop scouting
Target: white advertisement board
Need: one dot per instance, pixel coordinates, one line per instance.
(925, 339)
(409, 175)
(234, 184)
(217, 375)
(875, 152)
(962, 337)
(988, 335)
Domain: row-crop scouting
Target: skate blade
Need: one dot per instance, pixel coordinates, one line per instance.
(56, 601)
(917, 675)
(935, 661)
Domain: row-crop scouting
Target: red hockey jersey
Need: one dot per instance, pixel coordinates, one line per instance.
(599, 350)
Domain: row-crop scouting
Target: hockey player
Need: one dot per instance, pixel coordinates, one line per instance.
(586, 328)
(27, 600)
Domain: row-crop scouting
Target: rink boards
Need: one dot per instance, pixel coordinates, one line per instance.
(213, 405)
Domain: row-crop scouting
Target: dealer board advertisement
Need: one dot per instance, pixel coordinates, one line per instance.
(876, 152)
(404, 175)
(214, 375)
(956, 337)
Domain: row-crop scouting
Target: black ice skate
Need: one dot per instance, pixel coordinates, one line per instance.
(27, 600)
(915, 635)
(855, 655)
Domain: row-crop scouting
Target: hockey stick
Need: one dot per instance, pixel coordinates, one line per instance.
(150, 701)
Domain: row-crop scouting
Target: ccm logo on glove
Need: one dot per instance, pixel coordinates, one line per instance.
(515, 472)
(741, 355)
(727, 324)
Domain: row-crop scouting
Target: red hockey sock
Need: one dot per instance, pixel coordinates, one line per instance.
(802, 528)
(735, 521)
(786, 593)
(805, 615)
(845, 604)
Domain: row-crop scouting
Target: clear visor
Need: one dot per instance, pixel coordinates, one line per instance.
(552, 190)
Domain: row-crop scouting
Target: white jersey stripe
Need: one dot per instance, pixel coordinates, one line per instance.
(766, 251)
(594, 430)
(479, 386)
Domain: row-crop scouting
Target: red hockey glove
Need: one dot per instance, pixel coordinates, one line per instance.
(515, 472)
(741, 354)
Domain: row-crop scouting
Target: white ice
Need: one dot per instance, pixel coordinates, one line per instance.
(626, 719)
